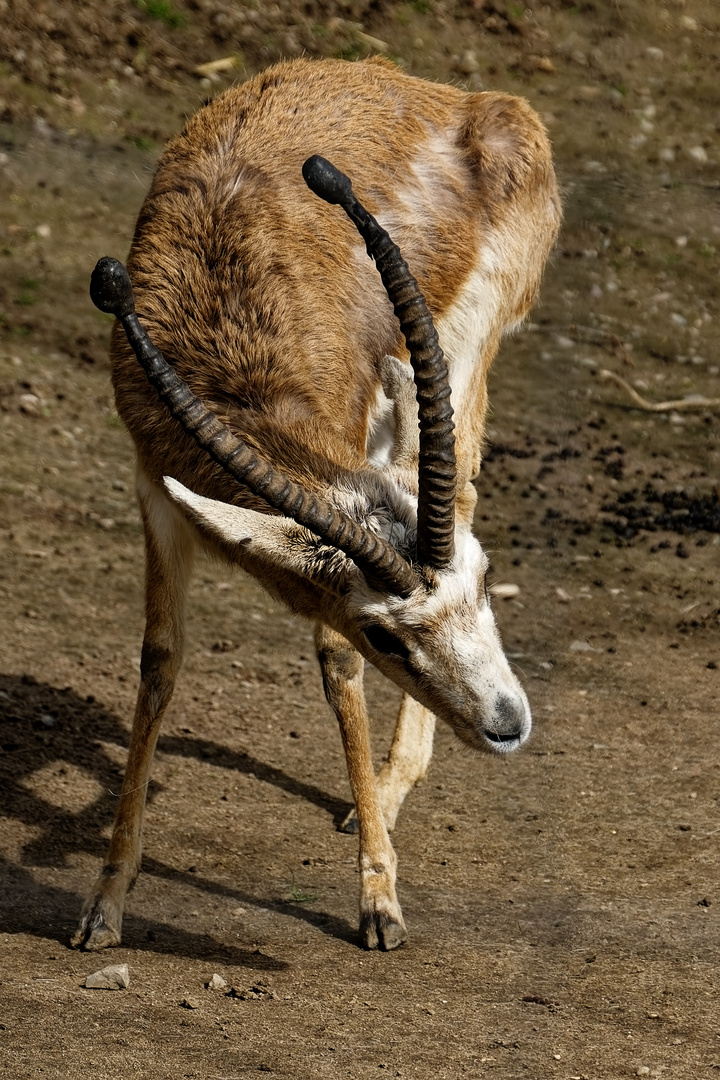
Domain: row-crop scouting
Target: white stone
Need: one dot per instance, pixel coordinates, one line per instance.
(29, 404)
(505, 590)
(468, 63)
(113, 977)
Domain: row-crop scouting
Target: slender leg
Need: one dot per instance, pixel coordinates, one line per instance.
(169, 557)
(409, 757)
(407, 763)
(381, 921)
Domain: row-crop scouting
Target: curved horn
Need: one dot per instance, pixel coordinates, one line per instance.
(111, 291)
(437, 470)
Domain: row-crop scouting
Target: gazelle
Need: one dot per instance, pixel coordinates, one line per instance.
(290, 444)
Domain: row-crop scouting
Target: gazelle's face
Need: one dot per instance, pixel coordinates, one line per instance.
(441, 645)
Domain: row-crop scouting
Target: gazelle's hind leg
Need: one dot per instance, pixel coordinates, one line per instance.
(407, 763)
(169, 554)
(409, 758)
(381, 921)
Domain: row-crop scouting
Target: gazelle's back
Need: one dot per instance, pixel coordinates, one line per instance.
(262, 295)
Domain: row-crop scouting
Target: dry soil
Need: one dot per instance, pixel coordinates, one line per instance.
(562, 905)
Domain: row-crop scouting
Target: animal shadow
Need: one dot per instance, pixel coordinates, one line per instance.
(45, 727)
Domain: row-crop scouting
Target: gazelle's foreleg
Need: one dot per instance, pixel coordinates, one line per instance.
(169, 553)
(407, 762)
(381, 921)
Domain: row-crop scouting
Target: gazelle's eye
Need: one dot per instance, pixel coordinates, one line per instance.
(384, 642)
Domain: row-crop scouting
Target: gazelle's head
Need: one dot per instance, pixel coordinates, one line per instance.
(389, 570)
(436, 639)
(441, 645)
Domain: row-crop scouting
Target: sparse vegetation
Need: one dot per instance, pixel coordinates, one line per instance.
(164, 11)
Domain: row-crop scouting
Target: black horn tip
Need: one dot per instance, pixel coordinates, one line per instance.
(327, 181)
(110, 288)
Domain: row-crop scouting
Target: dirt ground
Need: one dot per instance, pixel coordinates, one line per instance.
(563, 904)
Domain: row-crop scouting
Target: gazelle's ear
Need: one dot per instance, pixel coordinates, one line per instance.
(277, 541)
(398, 384)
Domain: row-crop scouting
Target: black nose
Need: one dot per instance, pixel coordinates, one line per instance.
(504, 737)
(508, 719)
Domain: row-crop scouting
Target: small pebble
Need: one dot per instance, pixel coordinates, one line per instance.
(29, 404)
(505, 590)
(113, 977)
(468, 63)
(581, 646)
(588, 93)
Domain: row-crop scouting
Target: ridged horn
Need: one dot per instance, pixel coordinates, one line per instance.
(111, 291)
(437, 472)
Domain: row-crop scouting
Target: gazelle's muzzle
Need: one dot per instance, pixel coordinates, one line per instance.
(509, 724)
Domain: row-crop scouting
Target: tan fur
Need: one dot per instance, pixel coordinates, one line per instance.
(263, 298)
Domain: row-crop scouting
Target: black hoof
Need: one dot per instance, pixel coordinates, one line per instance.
(350, 824)
(381, 931)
